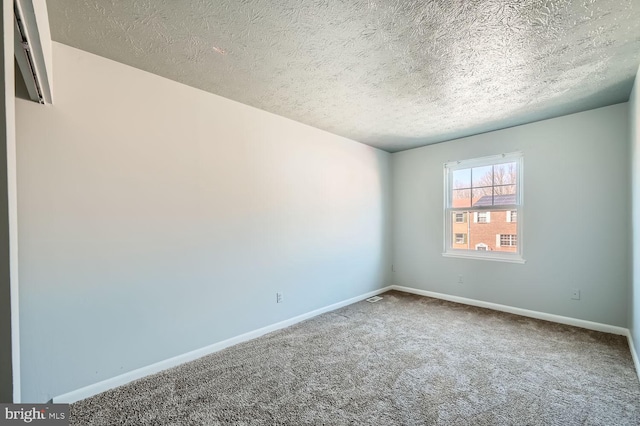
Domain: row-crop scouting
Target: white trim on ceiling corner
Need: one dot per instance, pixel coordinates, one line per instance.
(123, 379)
(590, 325)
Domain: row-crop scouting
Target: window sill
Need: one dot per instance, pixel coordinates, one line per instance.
(492, 257)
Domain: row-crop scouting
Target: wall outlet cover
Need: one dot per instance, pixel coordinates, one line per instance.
(575, 294)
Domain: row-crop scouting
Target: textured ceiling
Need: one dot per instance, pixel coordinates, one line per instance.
(389, 73)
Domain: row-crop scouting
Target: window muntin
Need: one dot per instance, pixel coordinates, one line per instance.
(508, 240)
(488, 192)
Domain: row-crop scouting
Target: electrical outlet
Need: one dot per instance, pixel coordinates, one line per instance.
(575, 293)
(278, 297)
(460, 280)
(393, 268)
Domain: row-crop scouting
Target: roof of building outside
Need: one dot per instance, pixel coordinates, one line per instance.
(498, 200)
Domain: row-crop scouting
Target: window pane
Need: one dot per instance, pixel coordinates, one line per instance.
(462, 178)
(505, 190)
(482, 197)
(485, 230)
(504, 195)
(484, 185)
(482, 176)
(505, 174)
(461, 198)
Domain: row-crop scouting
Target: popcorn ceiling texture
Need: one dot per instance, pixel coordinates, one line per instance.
(389, 73)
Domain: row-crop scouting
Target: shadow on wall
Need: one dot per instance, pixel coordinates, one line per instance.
(383, 164)
(21, 88)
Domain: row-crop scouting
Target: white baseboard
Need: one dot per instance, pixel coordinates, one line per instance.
(519, 311)
(139, 373)
(634, 354)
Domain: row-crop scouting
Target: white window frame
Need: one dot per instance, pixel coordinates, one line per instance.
(449, 210)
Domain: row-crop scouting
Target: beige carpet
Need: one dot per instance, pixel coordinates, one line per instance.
(405, 360)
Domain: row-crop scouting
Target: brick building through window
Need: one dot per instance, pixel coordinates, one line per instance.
(489, 230)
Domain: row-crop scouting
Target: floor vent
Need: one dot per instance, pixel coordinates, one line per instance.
(373, 299)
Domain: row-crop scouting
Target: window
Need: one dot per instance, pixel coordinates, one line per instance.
(483, 217)
(488, 192)
(508, 240)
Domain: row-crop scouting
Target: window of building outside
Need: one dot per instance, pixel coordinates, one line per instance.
(508, 240)
(483, 217)
(487, 191)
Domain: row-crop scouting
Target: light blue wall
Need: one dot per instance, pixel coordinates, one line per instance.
(575, 218)
(634, 296)
(156, 219)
